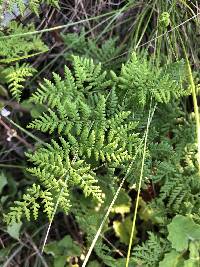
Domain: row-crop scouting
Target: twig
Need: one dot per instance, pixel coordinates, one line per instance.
(36, 250)
(13, 133)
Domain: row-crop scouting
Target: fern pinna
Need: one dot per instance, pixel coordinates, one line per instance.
(89, 128)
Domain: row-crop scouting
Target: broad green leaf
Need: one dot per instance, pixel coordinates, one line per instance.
(60, 261)
(65, 247)
(172, 259)
(191, 263)
(35, 109)
(52, 248)
(70, 248)
(62, 250)
(181, 230)
(194, 259)
(146, 213)
(14, 230)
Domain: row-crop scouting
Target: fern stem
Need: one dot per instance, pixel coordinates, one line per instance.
(140, 183)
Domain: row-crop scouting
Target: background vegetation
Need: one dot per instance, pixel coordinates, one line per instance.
(100, 133)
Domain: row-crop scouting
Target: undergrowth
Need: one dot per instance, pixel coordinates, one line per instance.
(99, 157)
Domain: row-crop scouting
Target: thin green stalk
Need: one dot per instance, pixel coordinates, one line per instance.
(195, 104)
(11, 166)
(196, 109)
(139, 186)
(145, 27)
(9, 60)
(98, 233)
(57, 27)
(25, 131)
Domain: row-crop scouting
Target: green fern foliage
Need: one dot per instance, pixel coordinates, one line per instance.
(13, 49)
(15, 76)
(17, 45)
(93, 129)
(84, 118)
(140, 80)
(106, 52)
(151, 252)
(93, 138)
(22, 6)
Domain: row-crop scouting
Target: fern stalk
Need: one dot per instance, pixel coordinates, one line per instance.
(139, 186)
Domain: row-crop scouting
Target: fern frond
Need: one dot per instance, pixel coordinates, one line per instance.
(30, 201)
(89, 76)
(33, 5)
(17, 46)
(104, 51)
(15, 76)
(151, 252)
(139, 80)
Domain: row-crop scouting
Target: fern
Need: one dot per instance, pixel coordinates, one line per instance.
(15, 76)
(139, 80)
(14, 48)
(33, 5)
(30, 204)
(17, 46)
(86, 122)
(94, 135)
(105, 52)
(151, 252)
(93, 129)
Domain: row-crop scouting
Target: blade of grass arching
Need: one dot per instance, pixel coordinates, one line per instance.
(9, 60)
(135, 32)
(11, 166)
(171, 30)
(157, 37)
(111, 205)
(151, 113)
(57, 27)
(171, 50)
(65, 50)
(145, 27)
(187, 6)
(113, 19)
(174, 39)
